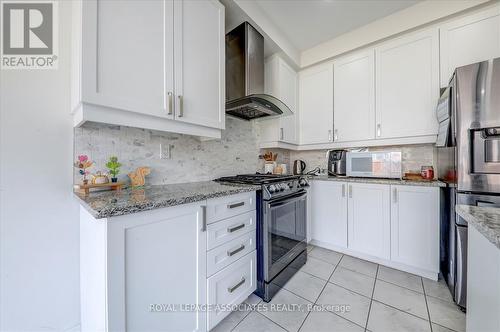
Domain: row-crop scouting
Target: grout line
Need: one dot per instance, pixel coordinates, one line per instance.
(398, 309)
(426, 305)
(272, 321)
(245, 316)
(323, 260)
(444, 327)
(350, 290)
(321, 292)
(371, 299)
(331, 312)
(403, 286)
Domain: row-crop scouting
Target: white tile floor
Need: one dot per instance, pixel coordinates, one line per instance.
(379, 299)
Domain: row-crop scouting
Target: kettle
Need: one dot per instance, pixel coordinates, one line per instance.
(299, 166)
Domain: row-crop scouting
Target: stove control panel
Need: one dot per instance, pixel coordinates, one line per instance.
(284, 188)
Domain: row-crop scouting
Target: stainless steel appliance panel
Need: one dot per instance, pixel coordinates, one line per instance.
(477, 100)
(285, 222)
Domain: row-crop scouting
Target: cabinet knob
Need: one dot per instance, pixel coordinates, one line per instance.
(335, 134)
(281, 133)
(350, 191)
(379, 131)
(329, 135)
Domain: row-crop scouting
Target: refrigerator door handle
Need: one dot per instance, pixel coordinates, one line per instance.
(461, 266)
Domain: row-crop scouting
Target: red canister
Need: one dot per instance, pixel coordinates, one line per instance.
(427, 172)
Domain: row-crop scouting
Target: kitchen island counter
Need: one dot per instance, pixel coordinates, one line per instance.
(485, 219)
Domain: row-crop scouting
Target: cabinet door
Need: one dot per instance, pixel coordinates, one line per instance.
(468, 40)
(369, 219)
(407, 85)
(281, 82)
(415, 226)
(354, 97)
(144, 268)
(316, 104)
(287, 85)
(329, 213)
(127, 62)
(199, 44)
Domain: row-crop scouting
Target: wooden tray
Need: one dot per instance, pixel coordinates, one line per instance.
(415, 177)
(85, 188)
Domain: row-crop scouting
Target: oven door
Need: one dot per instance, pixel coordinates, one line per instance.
(285, 221)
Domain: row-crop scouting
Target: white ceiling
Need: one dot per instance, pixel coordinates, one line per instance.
(307, 23)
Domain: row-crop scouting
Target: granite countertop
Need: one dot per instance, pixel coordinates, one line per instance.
(106, 204)
(435, 183)
(485, 219)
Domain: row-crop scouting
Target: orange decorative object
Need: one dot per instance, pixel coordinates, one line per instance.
(138, 177)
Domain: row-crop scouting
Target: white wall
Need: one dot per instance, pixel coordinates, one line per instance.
(39, 248)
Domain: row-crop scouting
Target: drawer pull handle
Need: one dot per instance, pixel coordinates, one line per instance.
(235, 287)
(235, 251)
(235, 228)
(235, 205)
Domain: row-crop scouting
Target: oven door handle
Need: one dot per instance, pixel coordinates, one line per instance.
(287, 199)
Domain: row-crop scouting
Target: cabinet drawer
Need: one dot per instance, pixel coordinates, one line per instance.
(222, 256)
(231, 286)
(225, 207)
(226, 230)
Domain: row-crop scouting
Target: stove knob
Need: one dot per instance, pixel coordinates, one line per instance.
(271, 188)
(302, 182)
(282, 187)
(290, 185)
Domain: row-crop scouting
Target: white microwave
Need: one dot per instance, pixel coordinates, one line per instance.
(374, 164)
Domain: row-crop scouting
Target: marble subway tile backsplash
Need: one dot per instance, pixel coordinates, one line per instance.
(413, 157)
(191, 159)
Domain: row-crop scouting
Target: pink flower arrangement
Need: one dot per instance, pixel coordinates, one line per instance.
(82, 164)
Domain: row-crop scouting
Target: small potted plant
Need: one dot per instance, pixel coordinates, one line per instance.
(83, 163)
(114, 168)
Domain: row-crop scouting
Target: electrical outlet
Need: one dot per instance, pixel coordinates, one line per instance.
(165, 151)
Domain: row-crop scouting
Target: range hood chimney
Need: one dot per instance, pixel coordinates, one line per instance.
(245, 96)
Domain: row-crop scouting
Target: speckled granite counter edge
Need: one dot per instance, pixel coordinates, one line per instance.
(485, 219)
(115, 211)
(380, 181)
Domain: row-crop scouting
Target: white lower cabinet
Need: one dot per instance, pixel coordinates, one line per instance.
(329, 212)
(483, 288)
(231, 286)
(394, 225)
(369, 220)
(150, 271)
(415, 227)
(130, 268)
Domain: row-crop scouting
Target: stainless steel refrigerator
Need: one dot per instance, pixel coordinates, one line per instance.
(468, 160)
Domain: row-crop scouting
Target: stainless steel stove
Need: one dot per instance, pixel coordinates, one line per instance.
(281, 228)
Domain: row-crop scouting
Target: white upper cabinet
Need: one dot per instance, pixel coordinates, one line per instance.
(281, 81)
(128, 66)
(407, 85)
(316, 104)
(469, 40)
(329, 213)
(415, 227)
(369, 219)
(199, 59)
(354, 97)
(155, 64)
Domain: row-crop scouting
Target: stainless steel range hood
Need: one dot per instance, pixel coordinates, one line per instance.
(245, 96)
